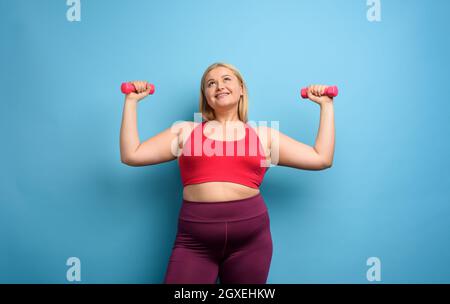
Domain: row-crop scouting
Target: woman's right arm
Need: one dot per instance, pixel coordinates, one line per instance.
(155, 150)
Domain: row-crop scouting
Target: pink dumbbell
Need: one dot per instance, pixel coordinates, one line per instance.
(331, 91)
(128, 88)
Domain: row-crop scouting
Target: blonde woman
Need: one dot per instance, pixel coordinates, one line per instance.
(223, 227)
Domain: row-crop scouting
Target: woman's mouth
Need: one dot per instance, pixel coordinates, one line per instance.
(222, 95)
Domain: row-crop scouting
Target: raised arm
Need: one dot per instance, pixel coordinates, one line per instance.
(287, 151)
(155, 150)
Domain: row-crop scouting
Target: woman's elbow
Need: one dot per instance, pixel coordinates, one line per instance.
(327, 164)
(128, 161)
(125, 162)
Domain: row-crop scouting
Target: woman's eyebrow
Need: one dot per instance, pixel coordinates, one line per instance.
(213, 79)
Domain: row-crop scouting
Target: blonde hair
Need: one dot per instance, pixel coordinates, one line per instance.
(206, 110)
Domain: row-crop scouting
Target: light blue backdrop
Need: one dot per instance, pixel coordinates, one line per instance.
(64, 192)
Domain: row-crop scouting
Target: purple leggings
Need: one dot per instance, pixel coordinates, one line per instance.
(227, 240)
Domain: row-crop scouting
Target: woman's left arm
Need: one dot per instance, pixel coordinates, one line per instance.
(286, 151)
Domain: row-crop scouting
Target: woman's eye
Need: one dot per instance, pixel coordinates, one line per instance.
(212, 82)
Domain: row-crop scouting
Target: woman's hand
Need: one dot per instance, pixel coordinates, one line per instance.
(142, 90)
(315, 94)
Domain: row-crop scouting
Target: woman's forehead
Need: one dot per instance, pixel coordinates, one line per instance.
(218, 72)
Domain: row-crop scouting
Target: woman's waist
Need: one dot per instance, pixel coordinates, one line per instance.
(221, 211)
(212, 192)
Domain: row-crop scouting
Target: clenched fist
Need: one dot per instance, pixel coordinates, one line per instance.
(315, 93)
(143, 89)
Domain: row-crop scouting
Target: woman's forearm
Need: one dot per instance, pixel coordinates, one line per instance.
(325, 137)
(129, 137)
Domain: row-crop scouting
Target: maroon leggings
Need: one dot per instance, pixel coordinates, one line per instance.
(227, 240)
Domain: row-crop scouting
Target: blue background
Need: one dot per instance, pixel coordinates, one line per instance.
(64, 191)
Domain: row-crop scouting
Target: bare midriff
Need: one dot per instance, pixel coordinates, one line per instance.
(217, 191)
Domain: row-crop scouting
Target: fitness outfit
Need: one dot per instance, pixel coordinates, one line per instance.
(229, 240)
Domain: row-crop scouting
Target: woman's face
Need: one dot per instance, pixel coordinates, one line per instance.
(222, 88)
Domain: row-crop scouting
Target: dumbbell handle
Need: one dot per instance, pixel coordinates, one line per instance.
(128, 88)
(331, 91)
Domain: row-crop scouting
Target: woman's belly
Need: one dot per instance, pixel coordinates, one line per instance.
(217, 192)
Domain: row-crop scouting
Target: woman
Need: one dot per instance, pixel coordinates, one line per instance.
(223, 227)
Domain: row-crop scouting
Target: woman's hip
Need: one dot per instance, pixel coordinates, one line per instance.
(224, 211)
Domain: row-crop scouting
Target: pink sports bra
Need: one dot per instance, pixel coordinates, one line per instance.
(207, 160)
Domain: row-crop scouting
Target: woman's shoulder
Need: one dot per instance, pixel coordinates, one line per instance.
(184, 129)
(260, 130)
(184, 125)
(264, 134)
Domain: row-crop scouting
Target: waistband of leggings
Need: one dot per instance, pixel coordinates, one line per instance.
(234, 210)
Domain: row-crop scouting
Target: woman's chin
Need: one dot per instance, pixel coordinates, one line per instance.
(225, 103)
